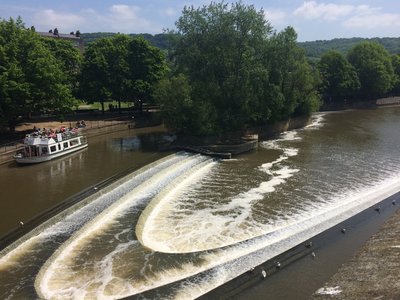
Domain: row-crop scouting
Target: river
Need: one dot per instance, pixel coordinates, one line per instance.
(183, 224)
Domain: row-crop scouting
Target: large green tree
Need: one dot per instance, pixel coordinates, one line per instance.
(339, 78)
(221, 50)
(239, 72)
(374, 68)
(31, 79)
(292, 81)
(69, 58)
(121, 68)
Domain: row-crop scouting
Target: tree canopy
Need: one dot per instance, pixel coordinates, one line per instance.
(373, 65)
(32, 78)
(121, 68)
(238, 73)
(338, 76)
(68, 57)
(396, 70)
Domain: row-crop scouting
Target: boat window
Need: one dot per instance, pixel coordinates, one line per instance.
(53, 148)
(74, 142)
(44, 150)
(59, 146)
(65, 145)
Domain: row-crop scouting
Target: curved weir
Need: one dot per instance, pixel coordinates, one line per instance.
(181, 220)
(116, 216)
(26, 255)
(105, 279)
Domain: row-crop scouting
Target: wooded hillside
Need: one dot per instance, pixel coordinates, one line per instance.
(314, 49)
(157, 40)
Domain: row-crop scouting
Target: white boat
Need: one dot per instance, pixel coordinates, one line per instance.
(44, 147)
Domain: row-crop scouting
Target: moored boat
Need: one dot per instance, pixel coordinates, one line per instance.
(44, 146)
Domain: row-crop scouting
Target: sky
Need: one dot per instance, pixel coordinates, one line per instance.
(312, 20)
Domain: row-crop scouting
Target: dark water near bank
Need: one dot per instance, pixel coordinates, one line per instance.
(187, 223)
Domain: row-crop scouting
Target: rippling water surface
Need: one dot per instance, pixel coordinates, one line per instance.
(187, 223)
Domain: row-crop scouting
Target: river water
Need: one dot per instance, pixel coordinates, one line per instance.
(183, 224)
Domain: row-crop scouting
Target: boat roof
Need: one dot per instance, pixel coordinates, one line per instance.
(32, 141)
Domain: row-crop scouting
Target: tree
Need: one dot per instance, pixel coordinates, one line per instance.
(396, 70)
(104, 68)
(173, 96)
(69, 58)
(339, 78)
(374, 68)
(121, 68)
(240, 74)
(147, 66)
(220, 49)
(292, 81)
(31, 79)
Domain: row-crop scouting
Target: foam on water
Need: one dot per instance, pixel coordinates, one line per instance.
(256, 251)
(229, 262)
(167, 226)
(150, 224)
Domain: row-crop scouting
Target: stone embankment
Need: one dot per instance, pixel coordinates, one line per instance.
(388, 101)
(373, 272)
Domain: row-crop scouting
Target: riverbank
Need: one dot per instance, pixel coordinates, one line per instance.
(373, 272)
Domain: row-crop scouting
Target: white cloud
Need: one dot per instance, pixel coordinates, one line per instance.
(125, 18)
(275, 17)
(117, 18)
(350, 16)
(50, 18)
(313, 10)
(124, 12)
(374, 21)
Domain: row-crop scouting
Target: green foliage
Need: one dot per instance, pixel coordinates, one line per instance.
(339, 78)
(396, 70)
(292, 76)
(69, 58)
(373, 65)
(239, 74)
(121, 68)
(316, 49)
(31, 78)
(160, 40)
(219, 49)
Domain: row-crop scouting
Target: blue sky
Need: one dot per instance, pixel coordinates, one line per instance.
(312, 20)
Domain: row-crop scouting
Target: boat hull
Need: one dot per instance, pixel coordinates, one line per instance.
(40, 159)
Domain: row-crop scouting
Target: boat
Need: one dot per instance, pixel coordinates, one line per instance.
(47, 145)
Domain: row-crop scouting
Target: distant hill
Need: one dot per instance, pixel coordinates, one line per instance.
(157, 40)
(314, 50)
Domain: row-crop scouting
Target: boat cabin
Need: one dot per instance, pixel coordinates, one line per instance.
(41, 146)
